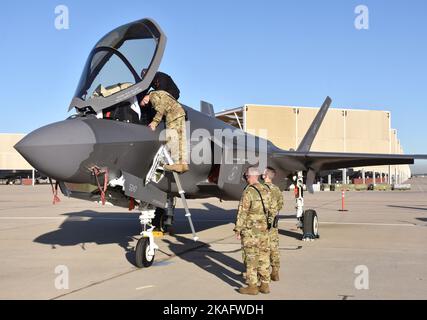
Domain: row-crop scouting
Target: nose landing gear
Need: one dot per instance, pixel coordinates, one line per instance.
(146, 247)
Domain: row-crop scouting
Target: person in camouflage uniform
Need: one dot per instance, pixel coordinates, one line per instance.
(252, 229)
(277, 205)
(166, 105)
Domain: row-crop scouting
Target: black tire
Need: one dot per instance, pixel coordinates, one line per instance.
(311, 224)
(142, 260)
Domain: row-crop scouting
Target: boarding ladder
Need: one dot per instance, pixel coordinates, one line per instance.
(163, 157)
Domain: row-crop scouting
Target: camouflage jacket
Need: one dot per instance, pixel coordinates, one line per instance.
(276, 198)
(165, 105)
(251, 215)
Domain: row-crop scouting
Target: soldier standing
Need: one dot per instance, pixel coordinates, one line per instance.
(166, 105)
(277, 205)
(252, 229)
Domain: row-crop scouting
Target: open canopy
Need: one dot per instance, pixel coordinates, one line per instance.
(113, 71)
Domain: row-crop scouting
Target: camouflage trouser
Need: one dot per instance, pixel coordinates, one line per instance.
(176, 137)
(256, 257)
(274, 248)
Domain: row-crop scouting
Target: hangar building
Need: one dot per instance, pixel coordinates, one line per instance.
(12, 164)
(343, 130)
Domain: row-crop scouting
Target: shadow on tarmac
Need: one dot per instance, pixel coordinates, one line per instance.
(81, 228)
(84, 227)
(214, 262)
(422, 219)
(403, 207)
(290, 234)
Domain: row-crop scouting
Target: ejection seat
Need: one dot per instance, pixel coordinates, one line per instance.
(126, 111)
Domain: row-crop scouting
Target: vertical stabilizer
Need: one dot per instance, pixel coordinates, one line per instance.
(306, 143)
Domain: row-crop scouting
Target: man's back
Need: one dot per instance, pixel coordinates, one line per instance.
(276, 197)
(251, 212)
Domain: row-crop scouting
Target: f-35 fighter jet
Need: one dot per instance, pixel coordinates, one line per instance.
(106, 152)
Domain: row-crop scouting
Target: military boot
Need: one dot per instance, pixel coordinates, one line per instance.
(179, 168)
(184, 167)
(275, 274)
(264, 288)
(250, 289)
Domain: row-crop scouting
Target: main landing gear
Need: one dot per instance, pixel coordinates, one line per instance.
(308, 221)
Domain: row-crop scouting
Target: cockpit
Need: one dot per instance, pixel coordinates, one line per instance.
(112, 83)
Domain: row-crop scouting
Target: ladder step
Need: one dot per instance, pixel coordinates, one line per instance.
(181, 193)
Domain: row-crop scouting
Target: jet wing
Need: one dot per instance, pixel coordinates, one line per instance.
(313, 162)
(318, 161)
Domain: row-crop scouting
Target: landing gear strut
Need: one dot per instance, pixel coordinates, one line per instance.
(307, 219)
(146, 247)
(163, 220)
(170, 212)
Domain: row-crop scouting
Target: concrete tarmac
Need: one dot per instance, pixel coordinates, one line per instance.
(376, 250)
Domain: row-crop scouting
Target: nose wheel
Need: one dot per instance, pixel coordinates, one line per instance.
(143, 254)
(146, 247)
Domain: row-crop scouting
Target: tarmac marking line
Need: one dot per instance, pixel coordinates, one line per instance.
(69, 218)
(218, 220)
(372, 224)
(144, 287)
(361, 224)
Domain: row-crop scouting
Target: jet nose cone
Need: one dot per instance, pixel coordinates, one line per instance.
(59, 149)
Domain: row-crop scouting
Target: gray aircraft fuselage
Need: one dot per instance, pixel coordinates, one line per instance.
(67, 150)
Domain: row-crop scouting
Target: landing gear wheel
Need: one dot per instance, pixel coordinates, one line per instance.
(311, 225)
(142, 257)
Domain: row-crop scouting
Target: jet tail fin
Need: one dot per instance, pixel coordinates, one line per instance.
(306, 143)
(207, 108)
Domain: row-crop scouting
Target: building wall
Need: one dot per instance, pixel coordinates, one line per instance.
(330, 136)
(10, 159)
(343, 130)
(279, 122)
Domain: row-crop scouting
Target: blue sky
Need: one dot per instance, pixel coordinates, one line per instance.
(229, 53)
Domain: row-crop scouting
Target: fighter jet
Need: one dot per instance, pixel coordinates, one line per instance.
(105, 151)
